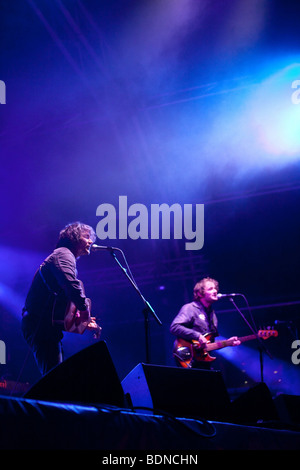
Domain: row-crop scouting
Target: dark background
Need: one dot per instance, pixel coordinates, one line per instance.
(163, 101)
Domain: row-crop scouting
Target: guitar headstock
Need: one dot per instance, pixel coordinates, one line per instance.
(267, 333)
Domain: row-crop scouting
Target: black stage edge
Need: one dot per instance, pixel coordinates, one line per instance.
(82, 405)
(36, 425)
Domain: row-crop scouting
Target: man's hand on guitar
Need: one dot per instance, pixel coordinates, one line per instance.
(84, 315)
(235, 340)
(201, 342)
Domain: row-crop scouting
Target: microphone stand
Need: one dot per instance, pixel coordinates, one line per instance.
(262, 346)
(147, 309)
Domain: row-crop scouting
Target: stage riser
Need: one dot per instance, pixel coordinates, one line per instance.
(30, 424)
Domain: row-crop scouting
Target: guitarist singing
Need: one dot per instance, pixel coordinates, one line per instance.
(54, 286)
(195, 320)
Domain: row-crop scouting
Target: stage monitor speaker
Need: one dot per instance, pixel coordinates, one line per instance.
(288, 407)
(192, 393)
(255, 405)
(88, 376)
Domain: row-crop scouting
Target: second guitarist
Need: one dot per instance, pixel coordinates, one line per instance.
(197, 319)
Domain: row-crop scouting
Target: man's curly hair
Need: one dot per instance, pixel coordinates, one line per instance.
(200, 286)
(70, 235)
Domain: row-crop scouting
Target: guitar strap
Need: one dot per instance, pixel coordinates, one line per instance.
(54, 305)
(50, 290)
(45, 282)
(211, 323)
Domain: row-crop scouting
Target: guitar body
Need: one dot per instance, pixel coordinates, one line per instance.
(187, 351)
(74, 324)
(72, 321)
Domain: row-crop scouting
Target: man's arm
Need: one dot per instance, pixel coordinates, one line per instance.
(182, 326)
(64, 270)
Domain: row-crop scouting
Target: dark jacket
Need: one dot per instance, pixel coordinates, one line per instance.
(54, 284)
(192, 320)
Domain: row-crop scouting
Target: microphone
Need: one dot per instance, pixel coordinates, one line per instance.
(100, 248)
(220, 296)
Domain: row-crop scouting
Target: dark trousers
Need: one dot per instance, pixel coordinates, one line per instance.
(45, 345)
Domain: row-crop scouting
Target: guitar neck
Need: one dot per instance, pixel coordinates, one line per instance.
(228, 342)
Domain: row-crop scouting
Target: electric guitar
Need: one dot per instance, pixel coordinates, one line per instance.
(186, 351)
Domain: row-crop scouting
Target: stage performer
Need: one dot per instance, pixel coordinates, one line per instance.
(195, 320)
(54, 285)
